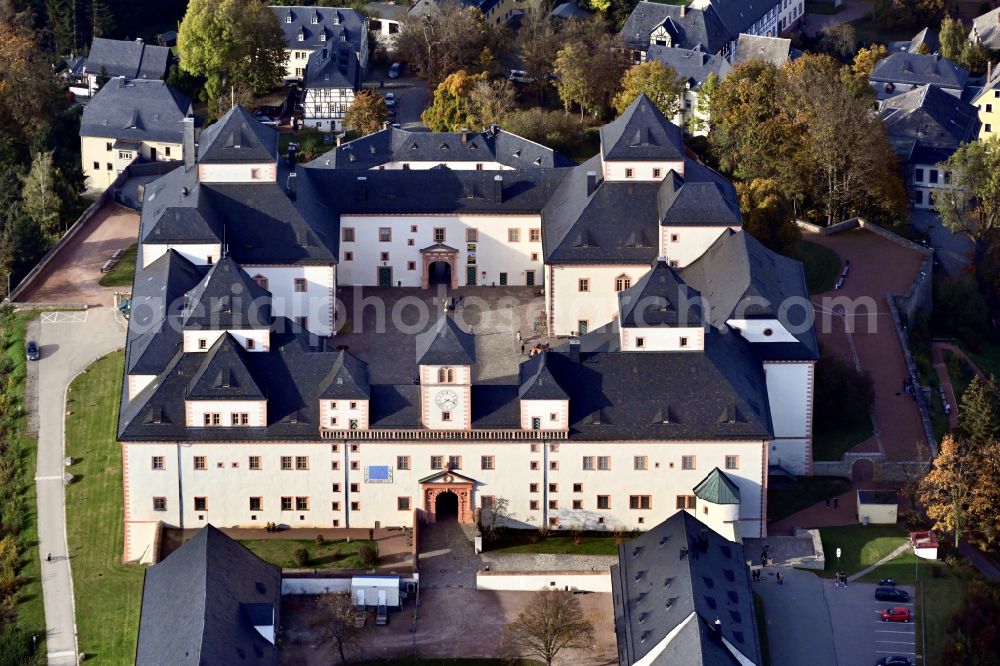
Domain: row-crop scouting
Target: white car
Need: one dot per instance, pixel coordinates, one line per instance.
(394, 70)
(520, 76)
(390, 99)
(267, 120)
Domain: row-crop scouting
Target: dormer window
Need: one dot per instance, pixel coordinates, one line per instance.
(302, 37)
(315, 19)
(288, 19)
(322, 37)
(640, 343)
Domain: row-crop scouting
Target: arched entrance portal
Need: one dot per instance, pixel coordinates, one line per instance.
(446, 507)
(862, 470)
(439, 272)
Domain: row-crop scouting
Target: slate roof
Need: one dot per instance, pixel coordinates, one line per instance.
(339, 24)
(642, 133)
(136, 110)
(659, 298)
(537, 381)
(227, 299)
(225, 374)
(348, 378)
(128, 58)
(333, 66)
(696, 29)
(399, 145)
(915, 70)
(199, 605)
(681, 575)
(717, 488)
(774, 50)
(693, 66)
(701, 198)
(925, 37)
(570, 10)
(928, 123)
(986, 29)
(238, 137)
(445, 343)
(737, 276)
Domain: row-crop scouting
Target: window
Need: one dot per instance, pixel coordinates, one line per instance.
(554, 465)
(933, 173)
(256, 504)
(383, 256)
(110, 166)
(97, 165)
(286, 503)
(286, 462)
(348, 256)
(403, 462)
(534, 465)
(629, 172)
(583, 284)
(301, 503)
(918, 175)
(487, 501)
(254, 174)
(166, 151)
(159, 504)
(335, 464)
(656, 172)
(989, 127)
(201, 504)
(385, 234)
(446, 416)
(255, 462)
(640, 343)
(732, 462)
(588, 462)
(409, 242)
(532, 487)
(604, 501)
(553, 504)
(640, 502)
(640, 463)
(334, 487)
(411, 265)
(471, 236)
(347, 234)
(487, 462)
(604, 462)
(333, 421)
(687, 462)
(989, 108)
(439, 234)
(622, 282)
(553, 487)
(683, 342)
(577, 504)
(335, 506)
(577, 487)
(675, 238)
(110, 146)
(535, 235)
(302, 322)
(685, 501)
(301, 462)
(199, 462)
(240, 418)
(406, 166)
(355, 487)
(355, 506)
(454, 462)
(534, 256)
(513, 235)
(403, 503)
(158, 462)
(202, 343)
(553, 521)
(251, 344)
(355, 465)
(437, 462)
(300, 285)
(533, 505)
(446, 375)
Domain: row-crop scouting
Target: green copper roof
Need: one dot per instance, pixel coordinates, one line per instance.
(718, 488)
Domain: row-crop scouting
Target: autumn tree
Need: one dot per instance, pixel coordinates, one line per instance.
(979, 415)
(26, 88)
(866, 59)
(768, 215)
(700, 121)
(552, 622)
(40, 197)
(660, 83)
(839, 40)
(537, 43)
(336, 621)
(492, 517)
(948, 488)
(953, 36)
(451, 38)
(367, 112)
(234, 44)
(452, 109)
(589, 67)
(492, 101)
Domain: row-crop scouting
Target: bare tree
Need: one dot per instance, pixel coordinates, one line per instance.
(336, 622)
(493, 517)
(491, 101)
(552, 622)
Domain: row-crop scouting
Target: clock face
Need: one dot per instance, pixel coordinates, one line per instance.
(446, 400)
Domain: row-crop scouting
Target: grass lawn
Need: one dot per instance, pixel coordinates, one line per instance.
(822, 7)
(123, 272)
(784, 499)
(108, 593)
(867, 31)
(987, 358)
(512, 541)
(860, 546)
(833, 445)
(330, 555)
(822, 266)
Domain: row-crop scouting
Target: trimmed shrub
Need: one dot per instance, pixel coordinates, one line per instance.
(368, 554)
(301, 556)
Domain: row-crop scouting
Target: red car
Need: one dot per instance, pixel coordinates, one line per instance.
(897, 614)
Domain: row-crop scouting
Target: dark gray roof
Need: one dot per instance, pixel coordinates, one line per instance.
(348, 378)
(137, 110)
(701, 198)
(227, 299)
(718, 488)
(935, 122)
(692, 66)
(739, 276)
(986, 29)
(445, 343)
(224, 374)
(878, 497)
(642, 133)
(201, 603)
(689, 28)
(238, 137)
(916, 70)
(570, 10)
(659, 298)
(334, 65)
(926, 37)
(398, 145)
(338, 24)
(132, 59)
(774, 50)
(676, 569)
(537, 381)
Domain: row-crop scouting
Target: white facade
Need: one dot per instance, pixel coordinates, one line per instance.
(325, 108)
(790, 394)
(682, 245)
(199, 254)
(572, 308)
(789, 14)
(226, 413)
(263, 172)
(313, 306)
(103, 159)
(650, 171)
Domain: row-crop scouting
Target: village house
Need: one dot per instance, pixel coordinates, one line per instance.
(108, 58)
(903, 71)
(311, 29)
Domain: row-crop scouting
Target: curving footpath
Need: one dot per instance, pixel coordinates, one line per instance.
(69, 343)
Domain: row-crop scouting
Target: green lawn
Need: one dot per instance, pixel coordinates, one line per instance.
(833, 445)
(987, 358)
(822, 266)
(123, 272)
(518, 541)
(108, 593)
(867, 31)
(860, 546)
(783, 501)
(330, 555)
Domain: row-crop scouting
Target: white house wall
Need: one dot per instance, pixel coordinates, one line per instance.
(544, 410)
(762, 330)
(455, 165)
(597, 306)
(193, 338)
(338, 414)
(195, 411)
(663, 338)
(690, 243)
(790, 394)
(264, 172)
(316, 303)
(138, 382)
(200, 254)
(641, 171)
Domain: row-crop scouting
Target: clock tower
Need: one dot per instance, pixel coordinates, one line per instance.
(445, 356)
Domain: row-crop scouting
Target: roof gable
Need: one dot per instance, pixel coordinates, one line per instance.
(136, 109)
(538, 382)
(718, 488)
(659, 298)
(227, 299)
(224, 374)
(238, 137)
(347, 379)
(445, 343)
(642, 133)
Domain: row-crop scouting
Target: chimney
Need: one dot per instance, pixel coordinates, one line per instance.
(497, 188)
(465, 135)
(338, 140)
(290, 186)
(189, 147)
(386, 125)
(591, 182)
(683, 10)
(574, 351)
(362, 189)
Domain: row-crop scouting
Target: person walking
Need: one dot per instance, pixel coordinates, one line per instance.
(781, 579)
(519, 337)
(522, 349)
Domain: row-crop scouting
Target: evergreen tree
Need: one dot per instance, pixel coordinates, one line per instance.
(102, 19)
(61, 18)
(40, 195)
(979, 415)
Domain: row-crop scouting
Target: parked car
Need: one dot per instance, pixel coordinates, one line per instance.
(520, 76)
(897, 614)
(390, 99)
(891, 594)
(895, 660)
(394, 70)
(32, 350)
(267, 120)
(890, 582)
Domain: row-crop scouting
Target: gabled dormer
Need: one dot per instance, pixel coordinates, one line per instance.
(238, 149)
(223, 393)
(544, 403)
(660, 313)
(641, 144)
(445, 356)
(345, 394)
(694, 210)
(227, 301)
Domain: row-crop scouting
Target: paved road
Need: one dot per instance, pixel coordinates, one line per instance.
(799, 630)
(69, 342)
(954, 252)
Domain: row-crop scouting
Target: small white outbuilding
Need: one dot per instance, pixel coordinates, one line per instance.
(375, 591)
